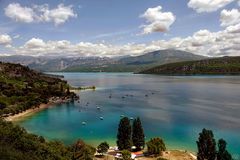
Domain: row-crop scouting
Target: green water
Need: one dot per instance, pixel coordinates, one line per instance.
(176, 109)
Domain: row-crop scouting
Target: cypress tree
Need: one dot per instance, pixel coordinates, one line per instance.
(124, 134)
(206, 145)
(138, 134)
(223, 154)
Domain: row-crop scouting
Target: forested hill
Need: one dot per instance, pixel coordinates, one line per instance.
(214, 66)
(22, 88)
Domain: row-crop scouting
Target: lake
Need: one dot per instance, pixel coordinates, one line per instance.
(175, 108)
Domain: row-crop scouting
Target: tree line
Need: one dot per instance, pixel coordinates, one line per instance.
(132, 138)
(16, 143)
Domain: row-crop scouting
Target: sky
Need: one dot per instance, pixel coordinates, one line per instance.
(110, 28)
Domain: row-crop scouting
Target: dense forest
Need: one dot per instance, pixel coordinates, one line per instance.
(22, 88)
(213, 66)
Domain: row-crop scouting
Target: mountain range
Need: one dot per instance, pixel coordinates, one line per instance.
(104, 64)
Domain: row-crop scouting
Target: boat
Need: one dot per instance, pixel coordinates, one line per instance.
(101, 118)
(131, 118)
(84, 123)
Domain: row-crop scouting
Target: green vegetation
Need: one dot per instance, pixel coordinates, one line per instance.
(84, 88)
(126, 155)
(23, 88)
(128, 136)
(124, 134)
(155, 146)
(82, 151)
(222, 153)
(207, 147)
(103, 148)
(138, 137)
(17, 144)
(216, 66)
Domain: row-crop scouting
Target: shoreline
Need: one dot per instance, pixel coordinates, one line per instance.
(32, 111)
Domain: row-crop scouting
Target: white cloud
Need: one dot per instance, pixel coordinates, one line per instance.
(203, 42)
(207, 5)
(233, 29)
(39, 13)
(229, 17)
(58, 15)
(18, 13)
(5, 40)
(34, 43)
(157, 20)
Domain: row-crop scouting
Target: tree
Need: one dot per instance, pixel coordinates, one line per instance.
(223, 154)
(156, 146)
(126, 155)
(138, 134)
(61, 88)
(81, 151)
(68, 90)
(206, 145)
(124, 134)
(103, 148)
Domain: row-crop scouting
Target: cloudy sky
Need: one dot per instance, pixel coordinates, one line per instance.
(119, 27)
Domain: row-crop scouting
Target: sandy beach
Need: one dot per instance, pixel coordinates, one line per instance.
(32, 111)
(28, 112)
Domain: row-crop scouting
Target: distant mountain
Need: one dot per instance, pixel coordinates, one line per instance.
(136, 63)
(215, 66)
(97, 64)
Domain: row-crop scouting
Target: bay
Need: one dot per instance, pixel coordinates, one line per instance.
(175, 108)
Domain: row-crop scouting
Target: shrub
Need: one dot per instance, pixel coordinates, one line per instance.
(156, 146)
(126, 155)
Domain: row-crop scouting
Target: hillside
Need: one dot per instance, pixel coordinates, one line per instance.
(105, 64)
(215, 66)
(23, 88)
(17, 144)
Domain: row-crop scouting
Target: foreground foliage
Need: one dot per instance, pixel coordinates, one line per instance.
(17, 144)
(103, 148)
(138, 137)
(156, 146)
(126, 155)
(124, 134)
(207, 147)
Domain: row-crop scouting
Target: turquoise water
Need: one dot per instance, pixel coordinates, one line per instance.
(176, 109)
